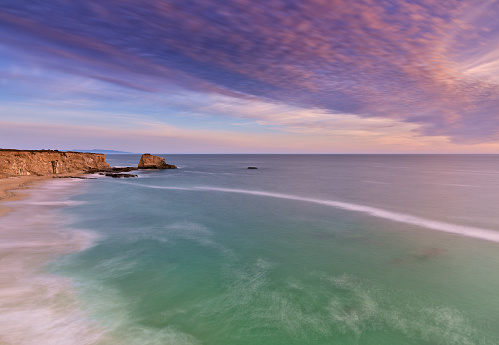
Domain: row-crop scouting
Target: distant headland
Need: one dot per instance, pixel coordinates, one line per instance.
(110, 152)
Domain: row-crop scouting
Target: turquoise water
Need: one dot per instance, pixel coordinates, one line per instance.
(308, 249)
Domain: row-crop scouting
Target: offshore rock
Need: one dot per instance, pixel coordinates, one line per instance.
(48, 162)
(111, 169)
(148, 161)
(117, 175)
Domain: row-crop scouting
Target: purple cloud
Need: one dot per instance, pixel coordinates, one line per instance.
(413, 61)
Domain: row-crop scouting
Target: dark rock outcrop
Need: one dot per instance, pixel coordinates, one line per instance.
(77, 177)
(115, 175)
(148, 161)
(252, 168)
(111, 170)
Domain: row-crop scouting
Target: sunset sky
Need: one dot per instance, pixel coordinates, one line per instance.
(250, 76)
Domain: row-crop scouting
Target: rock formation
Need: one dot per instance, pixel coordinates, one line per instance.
(115, 175)
(148, 161)
(53, 162)
(48, 162)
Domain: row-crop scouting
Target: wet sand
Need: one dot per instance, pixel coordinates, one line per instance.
(14, 188)
(11, 189)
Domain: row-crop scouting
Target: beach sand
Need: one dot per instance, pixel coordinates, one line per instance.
(11, 189)
(14, 188)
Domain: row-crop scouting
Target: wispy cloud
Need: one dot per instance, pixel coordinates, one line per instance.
(422, 67)
(47, 127)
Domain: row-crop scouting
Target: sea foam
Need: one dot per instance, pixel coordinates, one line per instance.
(475, 232)
(37, 307)
(484, 234)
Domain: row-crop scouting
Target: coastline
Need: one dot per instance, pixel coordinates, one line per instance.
(36, 306)
(11, 189)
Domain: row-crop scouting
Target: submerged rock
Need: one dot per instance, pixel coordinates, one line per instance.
(148, 161)
(110, 169)
(117, 175)
(78, 177)
(252, 168)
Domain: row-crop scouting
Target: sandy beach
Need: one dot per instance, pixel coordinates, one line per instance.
(11, 189)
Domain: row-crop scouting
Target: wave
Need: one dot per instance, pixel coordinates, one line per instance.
(453, 184)
(474, 232)
(377, 182)
(37, 307)
(479, 233)
(56, 203)
(207, 173)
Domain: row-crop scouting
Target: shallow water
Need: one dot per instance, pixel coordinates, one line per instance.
(307, 249)
(37, 307)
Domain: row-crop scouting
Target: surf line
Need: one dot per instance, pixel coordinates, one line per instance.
(479, 233)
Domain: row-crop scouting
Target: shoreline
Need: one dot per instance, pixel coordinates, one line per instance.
(11, 189)
(38, 306)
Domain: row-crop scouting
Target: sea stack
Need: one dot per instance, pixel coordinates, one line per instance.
(148, 161)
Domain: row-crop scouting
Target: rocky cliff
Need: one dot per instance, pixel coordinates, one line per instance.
(47, 162)
(148, 161)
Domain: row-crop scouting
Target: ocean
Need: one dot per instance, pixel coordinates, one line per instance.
(306, 249)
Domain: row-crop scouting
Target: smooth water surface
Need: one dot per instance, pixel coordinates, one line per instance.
(307, 249)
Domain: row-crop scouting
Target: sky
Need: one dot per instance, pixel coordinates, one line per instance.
(250, 76)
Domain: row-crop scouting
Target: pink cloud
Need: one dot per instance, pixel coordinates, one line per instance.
(405, 61)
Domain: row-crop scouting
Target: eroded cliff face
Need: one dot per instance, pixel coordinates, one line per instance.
(148, 161)
(47, 162)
